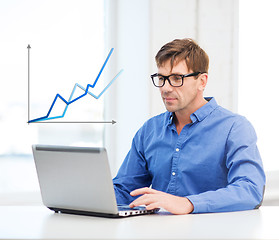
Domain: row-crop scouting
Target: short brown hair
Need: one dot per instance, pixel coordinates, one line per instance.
(196, 58)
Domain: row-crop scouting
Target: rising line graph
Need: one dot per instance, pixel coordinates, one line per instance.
(70, 100)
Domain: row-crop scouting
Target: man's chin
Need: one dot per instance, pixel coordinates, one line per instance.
(170, 108)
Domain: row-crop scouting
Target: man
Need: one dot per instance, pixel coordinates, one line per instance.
(197, 157)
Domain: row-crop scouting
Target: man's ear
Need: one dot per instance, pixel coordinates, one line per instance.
(203, 81)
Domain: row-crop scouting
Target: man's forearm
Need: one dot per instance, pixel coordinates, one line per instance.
(242, 195)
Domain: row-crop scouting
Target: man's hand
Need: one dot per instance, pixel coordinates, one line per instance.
(156, 199)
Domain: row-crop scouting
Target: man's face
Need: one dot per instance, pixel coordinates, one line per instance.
(186, 97)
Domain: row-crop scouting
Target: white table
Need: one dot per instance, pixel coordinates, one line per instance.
(37, 222)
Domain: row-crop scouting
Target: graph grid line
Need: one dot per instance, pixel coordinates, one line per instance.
(86, 91)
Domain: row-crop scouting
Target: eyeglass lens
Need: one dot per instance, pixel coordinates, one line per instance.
(174, 80)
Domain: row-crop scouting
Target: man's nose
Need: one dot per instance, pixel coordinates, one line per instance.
(167, 87)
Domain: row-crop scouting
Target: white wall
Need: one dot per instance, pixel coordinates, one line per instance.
(214, 25)
(127, 25)
(137, 29)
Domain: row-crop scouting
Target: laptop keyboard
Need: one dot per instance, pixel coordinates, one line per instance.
(127, 208)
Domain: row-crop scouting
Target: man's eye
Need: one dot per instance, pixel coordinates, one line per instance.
(161, 78)
(176, 77)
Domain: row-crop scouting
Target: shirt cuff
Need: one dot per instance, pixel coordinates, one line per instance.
(199, 205)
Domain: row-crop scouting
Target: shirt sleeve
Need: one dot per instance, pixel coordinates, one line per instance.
(246, 177)
(133, 172)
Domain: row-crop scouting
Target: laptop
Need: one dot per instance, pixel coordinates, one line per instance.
(77, 180)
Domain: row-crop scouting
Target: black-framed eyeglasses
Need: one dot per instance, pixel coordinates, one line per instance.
(175, 80)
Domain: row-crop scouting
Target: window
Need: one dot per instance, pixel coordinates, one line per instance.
(67, 47)
(258, 81)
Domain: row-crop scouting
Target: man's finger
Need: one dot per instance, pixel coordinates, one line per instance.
(145, 199)
(153, 206)
(142, 191)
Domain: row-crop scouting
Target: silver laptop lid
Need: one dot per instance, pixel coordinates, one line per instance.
(76, 178)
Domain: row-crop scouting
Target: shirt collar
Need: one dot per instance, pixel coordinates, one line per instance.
(201, 113)
(205, 110)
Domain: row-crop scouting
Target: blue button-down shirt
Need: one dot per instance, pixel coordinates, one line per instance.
(214, 161)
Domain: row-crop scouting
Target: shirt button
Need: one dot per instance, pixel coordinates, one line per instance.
(173, 173)
(177, 149)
